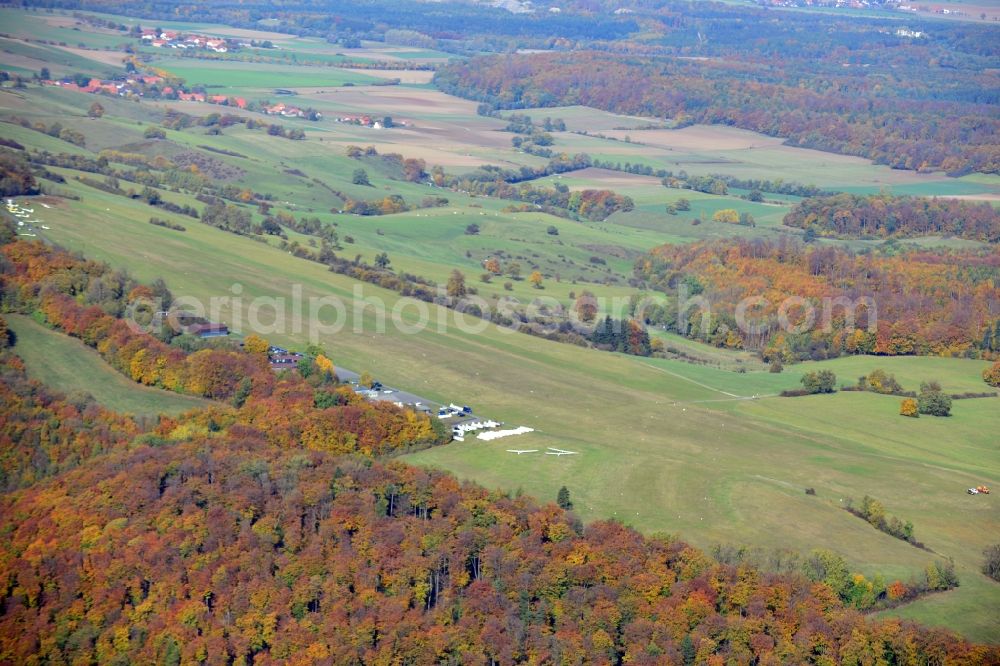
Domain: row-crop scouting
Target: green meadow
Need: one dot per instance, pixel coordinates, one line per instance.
(69, 365)
(262, 78)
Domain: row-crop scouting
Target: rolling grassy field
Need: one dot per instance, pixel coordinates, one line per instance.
(233, 78)
(70, 366)
(663, 445)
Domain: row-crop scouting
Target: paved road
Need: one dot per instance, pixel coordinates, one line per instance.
(392, 394)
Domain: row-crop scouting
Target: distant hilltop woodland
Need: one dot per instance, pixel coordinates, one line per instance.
(919, 98)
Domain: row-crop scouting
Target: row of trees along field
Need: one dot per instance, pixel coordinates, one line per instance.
(202, 539)
(76, 297)
(892, 123)
(927, 302)
(886, 216)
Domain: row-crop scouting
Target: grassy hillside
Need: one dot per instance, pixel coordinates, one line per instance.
(70, 366)
(661, 444)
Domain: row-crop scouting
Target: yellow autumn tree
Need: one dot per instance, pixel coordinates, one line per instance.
(536, 280)
(255, 344)
(324, 364)
(909, 408)
(728, 215)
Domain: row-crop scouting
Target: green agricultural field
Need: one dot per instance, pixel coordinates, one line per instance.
(702, 150)
(59, 28)
(70, 366)
(589, 119)
(240, 77)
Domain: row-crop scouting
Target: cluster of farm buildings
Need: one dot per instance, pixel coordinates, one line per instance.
(371, 121)
(144, 85)
(172, 39)
(289, 111)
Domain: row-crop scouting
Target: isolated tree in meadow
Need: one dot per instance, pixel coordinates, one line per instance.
(514, 270)
(586, 307)
(932, 400)
(991, 375)
(563, 499)
(991, 561)
(822, 381)
(414, 170)
(536, 280)
(360, 177)
(880, 381)
(727, 215)
(486, 277)
(456, 284)
(270, 227)
(909, 408)
(96, 110)
(682, 204)
(552, 230)
(382, 260)
(472, 229)
(492, 265)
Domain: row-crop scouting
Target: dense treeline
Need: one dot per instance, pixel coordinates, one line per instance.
(595, 205)
(622, 335)
(15, 175)
(73, 296)
(885, 216)
(177, 120)
(495, 182)
(940, 303)
(454, 25)
(844, 113)
(206, 182)
(43, 433)
(217, 547)
(874, 512)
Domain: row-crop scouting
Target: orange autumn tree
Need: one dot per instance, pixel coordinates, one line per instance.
(991, 375)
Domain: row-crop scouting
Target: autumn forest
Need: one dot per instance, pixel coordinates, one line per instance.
(471, 332)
